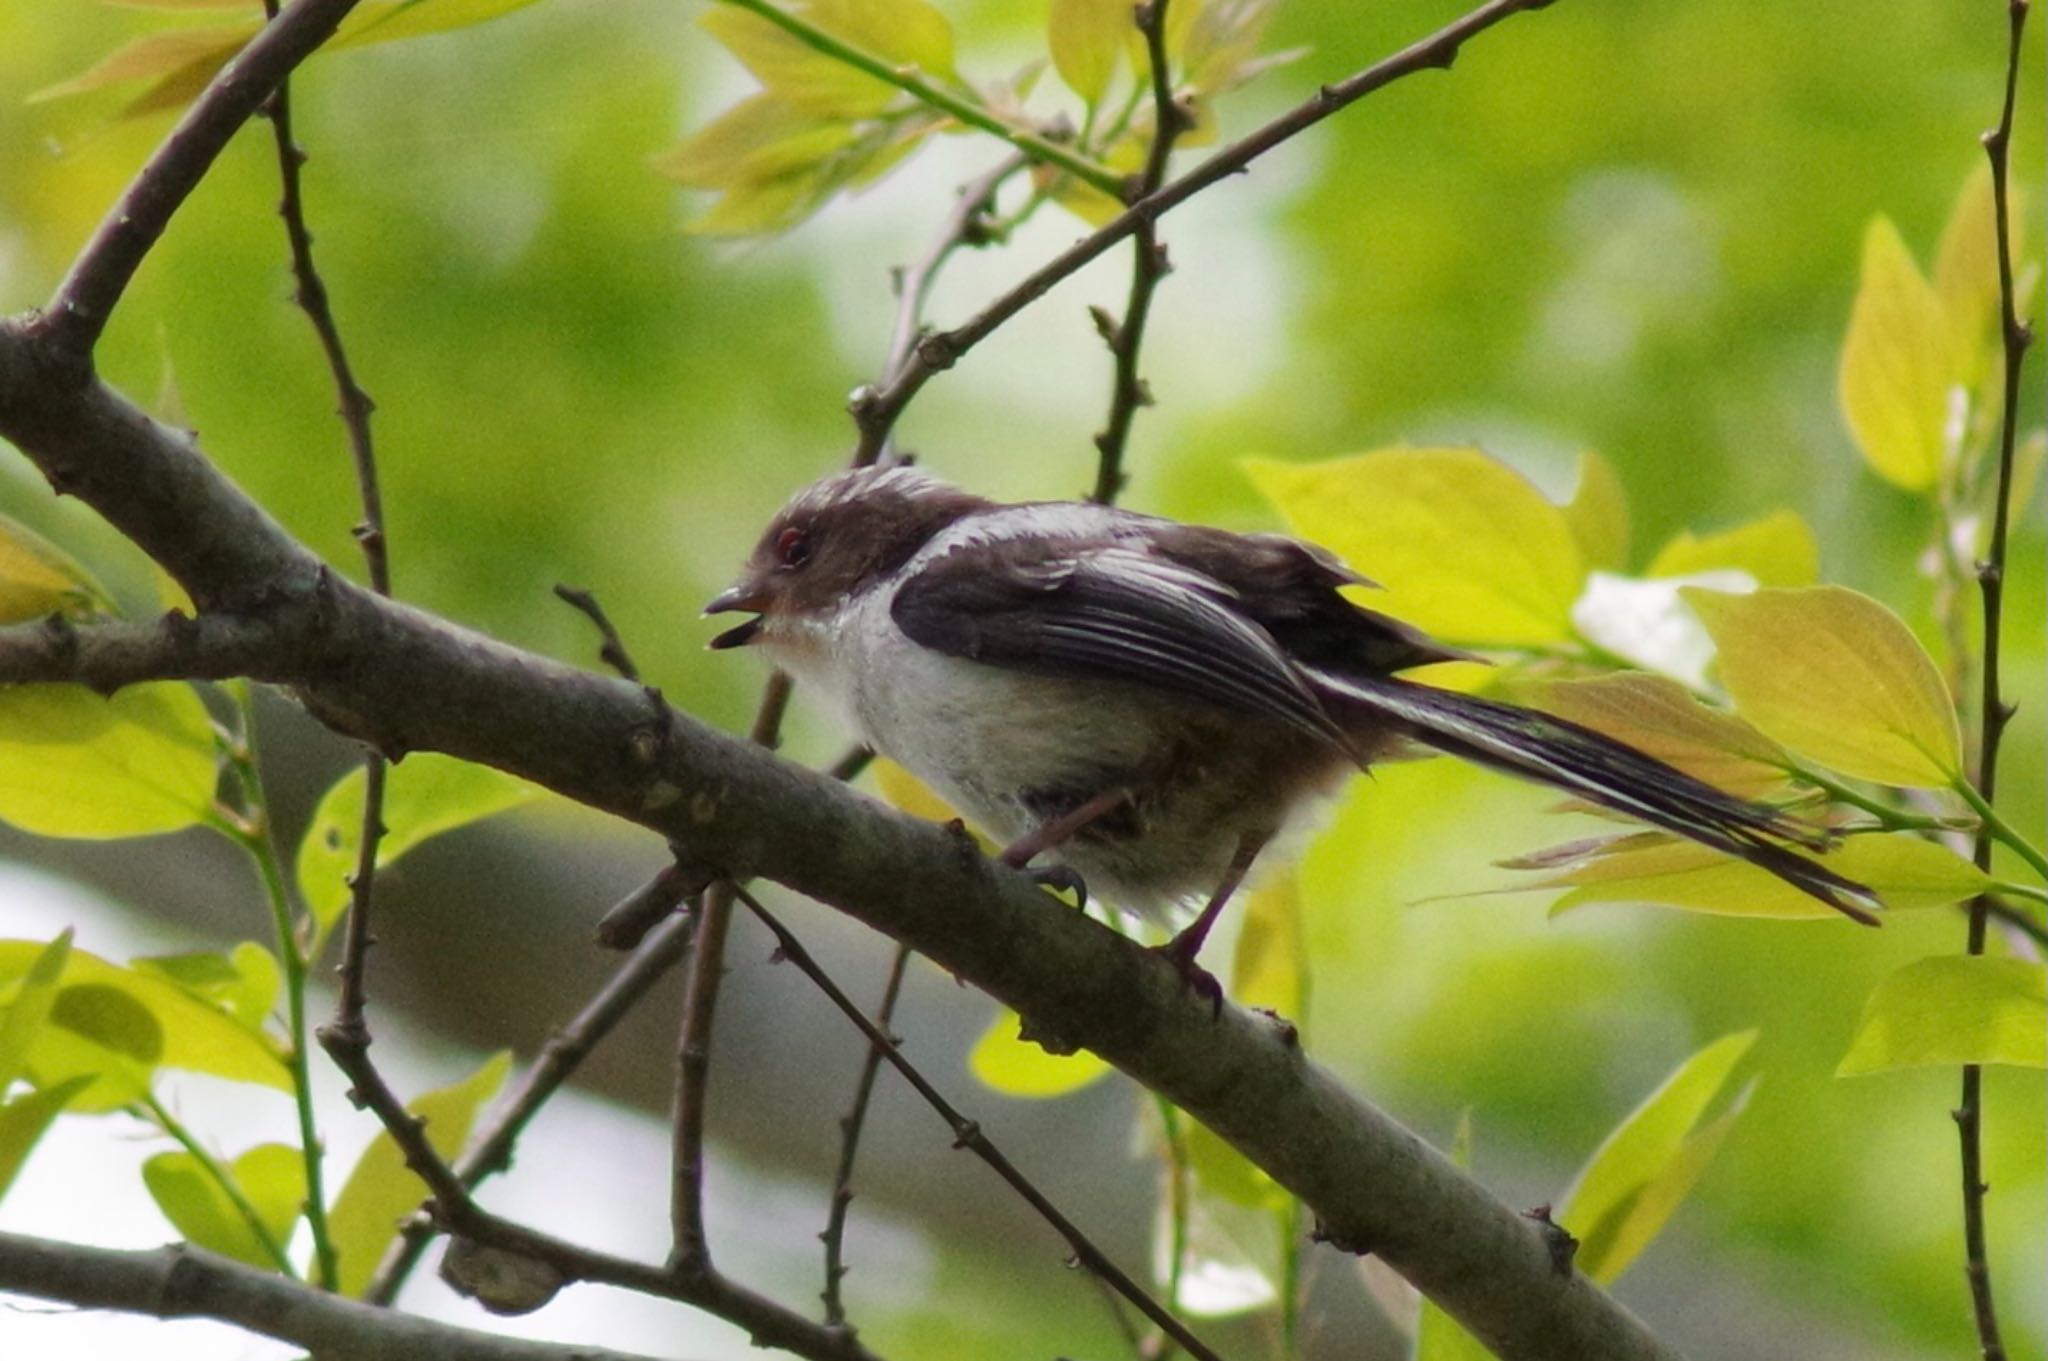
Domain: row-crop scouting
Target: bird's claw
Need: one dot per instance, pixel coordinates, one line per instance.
(1060, 879)
(1180, 953)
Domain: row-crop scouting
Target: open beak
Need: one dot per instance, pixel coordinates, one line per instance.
(739, 596)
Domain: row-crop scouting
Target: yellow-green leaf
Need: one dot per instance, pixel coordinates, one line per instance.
(1014, 1066)
(1598, 514)
(184, 57)
(1438, 1336)
(272, 1177)
(1897, 364)
(1777, 550)
(1966, 267)
(761, 138)
(1904, 871)
(424, 795)
(243, 984)
(1087, 37)
(100, 1033)
(1219, 51)
(1221, 1170)
(39, 578)
(1835, 676)
(1951, 1009)
(194, 1036)
(30, 1006)
(795, 72)
(1636, 1178)
(1464, 545)
(1270, 968)
(75, 764)
(384, 21)
(1661, 717)
(382, 1191)
(23, 1120)
(911, 33)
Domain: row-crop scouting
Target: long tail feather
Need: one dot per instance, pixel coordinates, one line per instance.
(1601, 770)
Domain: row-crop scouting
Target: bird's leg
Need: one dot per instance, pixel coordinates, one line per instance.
(1187, 943)
(1056, 832)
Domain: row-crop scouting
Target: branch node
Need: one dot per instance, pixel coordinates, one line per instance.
(1557, 1239)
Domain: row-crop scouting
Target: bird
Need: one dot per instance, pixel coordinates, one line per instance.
(1140, 706)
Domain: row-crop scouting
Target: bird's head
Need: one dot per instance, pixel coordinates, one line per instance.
(835, 539)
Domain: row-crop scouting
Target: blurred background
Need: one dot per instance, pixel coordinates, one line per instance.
(1625, 227)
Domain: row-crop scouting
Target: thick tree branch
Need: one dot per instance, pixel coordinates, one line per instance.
(187, 1282)
(392, 675)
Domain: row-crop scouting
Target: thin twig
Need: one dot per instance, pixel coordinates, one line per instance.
(79, 310)
(1148, 265)
(941, 350)
(613, 653)
(490, 1152)
(355, 406)
(964, 225)
(2017, 335)
(691, 1250)
(768, 1324)
(967, 1134)
(850, 1126)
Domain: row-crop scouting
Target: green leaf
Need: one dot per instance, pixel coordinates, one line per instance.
(1777, 550)
(23, 1120)
(381, 1192)
(898, 32)
(1659, 716)
(1464, 545)
(1006, 1062)
(1270, 968)
(384, 21)
(272, 1177)
(1640, 1173)
(1951, 1009)
(1904, 871)
(39, 578)
(244, 984)
(102, 1033)
(1438, 1336)
(181, 62)
(1598, 514)
(30, 1007)
(153, 1020)
(424, 795)
(1218, 44)
(1966, 267)
(911, 33)
(1087, 37)
(1897, 365)
(1835, 676)
(756, 141)
(73, 764)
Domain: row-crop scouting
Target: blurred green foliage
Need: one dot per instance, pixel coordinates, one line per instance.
(1631, 228)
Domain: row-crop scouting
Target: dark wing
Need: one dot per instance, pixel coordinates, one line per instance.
(1290, 589)
(1112, 614)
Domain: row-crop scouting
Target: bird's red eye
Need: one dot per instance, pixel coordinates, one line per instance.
(792, 547)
